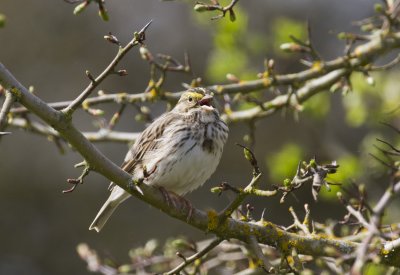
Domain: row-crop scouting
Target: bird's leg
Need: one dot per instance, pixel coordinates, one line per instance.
(190, 206)
(175, 200)
(167, 196)
(147, 174)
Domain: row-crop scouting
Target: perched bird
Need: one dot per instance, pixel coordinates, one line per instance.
(178, 152)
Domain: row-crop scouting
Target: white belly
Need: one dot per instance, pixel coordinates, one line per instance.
(185, 170)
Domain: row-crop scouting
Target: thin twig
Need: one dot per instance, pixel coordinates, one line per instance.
(362, 55)
(266, 265)
(8, 102)
(375, 221)
(102, 135)
(137, 39)
(194, 257)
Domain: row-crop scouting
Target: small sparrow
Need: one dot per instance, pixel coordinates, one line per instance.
(178, 152)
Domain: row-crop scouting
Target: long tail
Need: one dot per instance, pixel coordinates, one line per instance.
(118, 195)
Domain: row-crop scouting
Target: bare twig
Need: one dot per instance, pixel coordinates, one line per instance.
(79, 180)
(194, 257)
(329, 73)
(375, 221)
(302, 226)
(138, 38)
(8, 102)
(102, 135)
(266, 265)
(200, 7)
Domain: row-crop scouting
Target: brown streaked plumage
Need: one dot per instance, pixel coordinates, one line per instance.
(179, 151)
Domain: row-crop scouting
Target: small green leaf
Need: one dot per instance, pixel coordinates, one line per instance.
(104, 14)
(2, 20)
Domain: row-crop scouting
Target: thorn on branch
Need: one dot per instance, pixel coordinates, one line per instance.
(141, 35)
(391, 127)
(388, 165)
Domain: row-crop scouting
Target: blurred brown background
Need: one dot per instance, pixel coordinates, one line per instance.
(44, 45)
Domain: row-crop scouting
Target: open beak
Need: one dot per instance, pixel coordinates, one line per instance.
(205, 101)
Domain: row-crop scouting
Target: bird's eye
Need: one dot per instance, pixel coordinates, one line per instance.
(190, 99)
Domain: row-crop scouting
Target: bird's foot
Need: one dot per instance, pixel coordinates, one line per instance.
(173, 199)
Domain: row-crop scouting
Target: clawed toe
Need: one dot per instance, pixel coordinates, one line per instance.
(173, 199)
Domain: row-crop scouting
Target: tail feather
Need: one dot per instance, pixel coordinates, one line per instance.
(118, 195)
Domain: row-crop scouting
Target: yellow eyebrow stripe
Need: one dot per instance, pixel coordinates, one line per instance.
(196, 96)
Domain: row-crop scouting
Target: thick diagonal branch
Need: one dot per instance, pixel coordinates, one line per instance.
(265, 233)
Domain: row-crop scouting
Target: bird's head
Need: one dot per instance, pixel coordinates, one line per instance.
(196, 99)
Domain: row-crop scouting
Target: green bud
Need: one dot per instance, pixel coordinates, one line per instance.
(145, 110)
(313, 163)
(139, 117)
(342, 36)
(286, 182)
(124, 269)
(103, 14)
(232, 15)
(378, 7)
(361, 188)
(291, 47)
(200, 8)
(216, 189)
(286, 47)
(2, 20)
(151, 245)
(367, 27)
(95, 112)
(370, 80)
(144, 53)
(248, 155)
(180, 243)
(335, 87)
(78, 9)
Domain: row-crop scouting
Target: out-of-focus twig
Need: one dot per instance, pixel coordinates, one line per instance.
(194, 257)
(5, 109)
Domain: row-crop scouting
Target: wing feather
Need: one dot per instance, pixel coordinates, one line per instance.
(147, 141)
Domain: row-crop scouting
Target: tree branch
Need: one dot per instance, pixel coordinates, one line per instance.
(137, 39)
(265, 233)
(194, 257)
(8, 102)
(102, 135)
(362, 55)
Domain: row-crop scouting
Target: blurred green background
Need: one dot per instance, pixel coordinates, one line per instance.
(43, 44)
